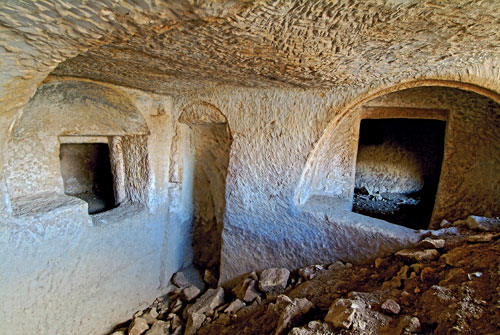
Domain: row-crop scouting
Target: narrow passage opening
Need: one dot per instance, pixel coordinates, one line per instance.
(397, 169)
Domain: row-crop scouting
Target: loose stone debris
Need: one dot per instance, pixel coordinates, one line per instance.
(445, 285)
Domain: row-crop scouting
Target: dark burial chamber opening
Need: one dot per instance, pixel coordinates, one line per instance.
(86, 172)
(397, 169)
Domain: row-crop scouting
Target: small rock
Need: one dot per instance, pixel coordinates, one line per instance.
(210, 300)
(175, 321)
(459, 223)
(292, 314)
(149, 319)
(483, 223)
(153, 313)
(253, 275)
(391, 306)
(237, 280)
(235, 306)
(445, 224)
(188, 276)
(431, 243)
(454, 257)
(177, 306)
(281, 302)
(343, 312)
(121, 331)
(190, 292)
(162, 305)
(274, 279)
(481, 238)
(195, 320)
(210, 279)
(444, 232)
(159, 328)
(138, 326)
(409, 325)
(150, 315)
(309, 272)
(180, 280)
(246, 290)
(315, 327)
(418, 255)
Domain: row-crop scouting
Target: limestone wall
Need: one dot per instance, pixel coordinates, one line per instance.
(66, 271)
(272, 131)
(287, 76)
(330, 169)
(470, 174)
(272, 135)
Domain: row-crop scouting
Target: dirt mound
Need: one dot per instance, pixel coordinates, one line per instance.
(449, 284)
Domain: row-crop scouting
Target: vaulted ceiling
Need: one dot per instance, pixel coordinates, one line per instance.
(299, 43)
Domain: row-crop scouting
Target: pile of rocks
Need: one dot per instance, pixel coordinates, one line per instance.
(188, 306)
(438, 285)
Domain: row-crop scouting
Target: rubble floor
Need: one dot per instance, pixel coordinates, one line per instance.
(451, 290)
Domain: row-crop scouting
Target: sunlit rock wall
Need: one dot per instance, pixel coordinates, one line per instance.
(294, 135)
(67, 271)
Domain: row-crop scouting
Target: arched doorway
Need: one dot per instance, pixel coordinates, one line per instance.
(468, 181)
(205, 169)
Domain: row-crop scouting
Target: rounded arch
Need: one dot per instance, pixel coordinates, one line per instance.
(329, 170)
(201, 112)
(69, 112)
(76, 107)
(204, 167)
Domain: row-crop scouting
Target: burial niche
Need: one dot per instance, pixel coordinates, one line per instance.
(397, 169)
(86, 172)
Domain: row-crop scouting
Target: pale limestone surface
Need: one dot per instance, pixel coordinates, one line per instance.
(69, 272)
(469, 180)
(286, 75)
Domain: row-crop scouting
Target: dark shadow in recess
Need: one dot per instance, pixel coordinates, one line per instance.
(86, 172)
(423, 140)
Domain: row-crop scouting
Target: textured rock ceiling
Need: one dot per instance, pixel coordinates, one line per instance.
(301, 43)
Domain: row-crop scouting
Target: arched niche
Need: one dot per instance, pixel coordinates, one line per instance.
(469, 179)
(204, 168)
(70, 116)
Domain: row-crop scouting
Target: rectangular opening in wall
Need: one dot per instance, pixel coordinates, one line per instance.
(398, 168)
(86, 172)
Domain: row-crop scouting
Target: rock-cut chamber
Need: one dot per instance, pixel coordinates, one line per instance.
(397, 169)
